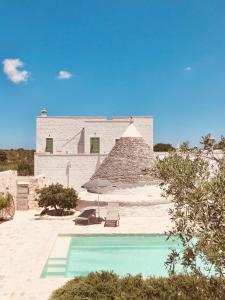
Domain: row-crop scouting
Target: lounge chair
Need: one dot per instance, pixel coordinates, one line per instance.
(112, 216)
(87, 216)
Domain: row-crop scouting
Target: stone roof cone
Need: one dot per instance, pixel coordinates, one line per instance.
(126, 164)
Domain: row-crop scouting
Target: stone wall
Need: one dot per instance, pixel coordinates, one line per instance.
(8, 182)
(72, 170)
(55, 167)
(71, 134)
(36, 183)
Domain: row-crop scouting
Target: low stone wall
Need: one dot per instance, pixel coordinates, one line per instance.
(8, 182)
(36, 182)
(33, 183)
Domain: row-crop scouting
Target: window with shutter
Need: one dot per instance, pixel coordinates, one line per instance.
(95, 145)
(49, 145)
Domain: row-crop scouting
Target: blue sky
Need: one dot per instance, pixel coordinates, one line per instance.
(126, 57)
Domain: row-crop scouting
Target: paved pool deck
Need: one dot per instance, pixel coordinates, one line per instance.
(25, 245)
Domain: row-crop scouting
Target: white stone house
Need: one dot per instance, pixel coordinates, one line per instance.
(69, 149)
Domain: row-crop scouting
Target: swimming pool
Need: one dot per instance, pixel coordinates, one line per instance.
(134, 254)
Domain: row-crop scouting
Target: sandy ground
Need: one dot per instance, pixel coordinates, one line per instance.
(25, 244)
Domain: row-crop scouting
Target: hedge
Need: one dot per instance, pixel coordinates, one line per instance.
(109, 286)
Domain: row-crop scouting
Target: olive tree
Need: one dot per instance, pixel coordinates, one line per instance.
(57, 197)
(195, 180)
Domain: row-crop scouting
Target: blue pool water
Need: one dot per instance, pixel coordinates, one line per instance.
(123, 254)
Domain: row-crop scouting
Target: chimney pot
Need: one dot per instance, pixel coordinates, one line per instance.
(44, 112)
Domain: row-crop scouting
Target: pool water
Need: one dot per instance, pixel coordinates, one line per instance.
(123, 254)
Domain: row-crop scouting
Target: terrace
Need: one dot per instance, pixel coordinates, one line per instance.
(28, 242)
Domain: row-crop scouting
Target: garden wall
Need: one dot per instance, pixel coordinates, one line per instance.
(8, 183)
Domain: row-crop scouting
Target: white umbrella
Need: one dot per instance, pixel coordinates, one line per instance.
(96, 185)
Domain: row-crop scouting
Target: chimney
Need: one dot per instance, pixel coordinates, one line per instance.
(44, 112)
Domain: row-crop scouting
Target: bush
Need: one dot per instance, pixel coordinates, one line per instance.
(57, 197)
(3, 156)
(163, 147)
(108, 286)
(25, 168)
(5, 200)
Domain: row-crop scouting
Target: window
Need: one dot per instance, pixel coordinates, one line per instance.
(49, 145)
(95, 145)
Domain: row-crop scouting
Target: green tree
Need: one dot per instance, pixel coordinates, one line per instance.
(3, 156)
(195, 180)
(57, 197)
(160, 147)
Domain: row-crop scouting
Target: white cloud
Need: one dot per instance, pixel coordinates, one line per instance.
(64, 75)
(12, 68)
(188, 68)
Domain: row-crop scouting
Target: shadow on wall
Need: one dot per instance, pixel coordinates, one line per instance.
(80, 145)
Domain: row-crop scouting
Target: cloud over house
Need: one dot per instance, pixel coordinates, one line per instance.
(12, 67)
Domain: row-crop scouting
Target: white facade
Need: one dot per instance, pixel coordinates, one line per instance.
(71, 162)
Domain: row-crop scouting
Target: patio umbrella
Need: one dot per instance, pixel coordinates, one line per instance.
(97, 185)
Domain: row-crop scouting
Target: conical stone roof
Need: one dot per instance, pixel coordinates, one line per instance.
(127, 163)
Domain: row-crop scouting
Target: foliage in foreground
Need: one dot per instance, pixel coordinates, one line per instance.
(195, 181)
(5, 200)
(109, 286)
(57, 197)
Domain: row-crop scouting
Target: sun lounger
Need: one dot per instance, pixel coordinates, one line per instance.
(112, 216)
(87, 216)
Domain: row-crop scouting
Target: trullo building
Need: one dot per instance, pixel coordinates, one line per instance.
(126, 166)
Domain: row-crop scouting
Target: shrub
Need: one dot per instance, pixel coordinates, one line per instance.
(3, 156)
(109, 286)
(57, 197)
(163, 147)
(5, 200)
(25, 168)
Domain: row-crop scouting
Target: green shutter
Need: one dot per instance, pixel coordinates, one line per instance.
(49, 145)
(95, 145)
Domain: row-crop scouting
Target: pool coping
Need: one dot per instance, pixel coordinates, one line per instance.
(108, 234)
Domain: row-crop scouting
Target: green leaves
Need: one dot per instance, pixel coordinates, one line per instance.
(5, 200)
(109, 286)
(57, 197)
(195, 180)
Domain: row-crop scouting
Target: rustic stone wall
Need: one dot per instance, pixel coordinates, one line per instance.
(8, 182)
(36, 183)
